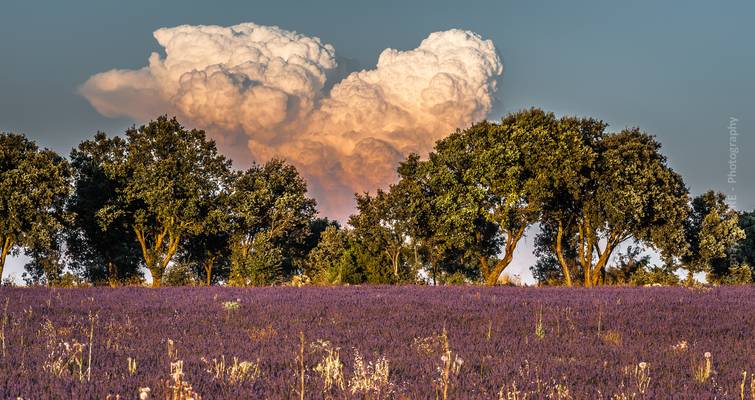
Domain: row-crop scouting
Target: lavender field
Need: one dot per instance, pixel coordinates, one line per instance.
(378, 342)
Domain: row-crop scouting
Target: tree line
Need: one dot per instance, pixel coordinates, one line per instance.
(162, 198)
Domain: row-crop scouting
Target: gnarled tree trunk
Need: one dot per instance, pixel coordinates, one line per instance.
(395, 257)
(157, 257)
(512, 238)
(588, 243)
(208, 263)
(560, 255)
(7, 243)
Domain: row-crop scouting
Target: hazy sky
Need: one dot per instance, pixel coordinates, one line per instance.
(679, 70)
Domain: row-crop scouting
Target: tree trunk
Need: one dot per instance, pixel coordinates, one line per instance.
(600, 267)
(394, 261)
(208, 270)
(112, 274)
(434, 266)
(560, 255)
(585, 252)
(416, 258)
(7, 244)
(156, 280)
(152, 255)
(588, 279)
(512, 238)
(484, 266)
(589, 243)
(155, 268)
(492, 278)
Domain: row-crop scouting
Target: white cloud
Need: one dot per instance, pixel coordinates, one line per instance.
(262, 87)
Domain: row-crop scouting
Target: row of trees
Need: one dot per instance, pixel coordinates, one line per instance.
(461, 213)
(164, 199)
(160, 197)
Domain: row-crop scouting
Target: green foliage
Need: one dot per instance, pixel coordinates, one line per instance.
(379, 237)
(745, 249)
(180, 274)
(712, 230)
(629, 263)
(317, 227)
(70, 280)
(633, 268)
(208, 253)
(739, 256)
(438, 242)
(333, 261)
(169, 173)
(375, 265)
(323, 261)
(34, 185)
(456, 278)
(619, 187)
(9, 282)
(348, 270)
(261, 264)
(654, 276)
(45, 266)
(164, 198)
(547, 271)
(270, 218)
(100, 256)
(480, 189)
(738, 275)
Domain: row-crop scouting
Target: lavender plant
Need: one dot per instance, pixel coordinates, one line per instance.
(378, 342)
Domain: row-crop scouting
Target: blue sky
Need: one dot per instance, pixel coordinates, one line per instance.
(679, 70)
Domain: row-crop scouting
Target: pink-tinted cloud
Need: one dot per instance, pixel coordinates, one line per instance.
(259, 91)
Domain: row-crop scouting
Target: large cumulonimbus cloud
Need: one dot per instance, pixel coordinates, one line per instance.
(260, 92)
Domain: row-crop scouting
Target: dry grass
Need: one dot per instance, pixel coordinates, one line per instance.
(611, 337)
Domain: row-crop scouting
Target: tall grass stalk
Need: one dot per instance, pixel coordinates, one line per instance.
(92, 318)
(302, 370)
(3, 324)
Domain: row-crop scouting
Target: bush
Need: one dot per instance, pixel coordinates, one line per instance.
(738, 275)
(262, 265)
(69, 280)
(456, 278)
(179, 274)
(9, 282)
(654, 276)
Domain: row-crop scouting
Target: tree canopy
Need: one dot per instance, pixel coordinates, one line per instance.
(97, 254)
(270, 215)
(34, 185)
(169, 172)
(162, 198)
(625, 189)
(712, 229)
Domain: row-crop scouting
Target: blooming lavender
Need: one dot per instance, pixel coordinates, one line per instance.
(385, 336)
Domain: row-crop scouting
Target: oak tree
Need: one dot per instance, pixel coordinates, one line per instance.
(169, 173)
(270, 216)
(110, 255)
(711, 229)
(34, 184)
(625, 189)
